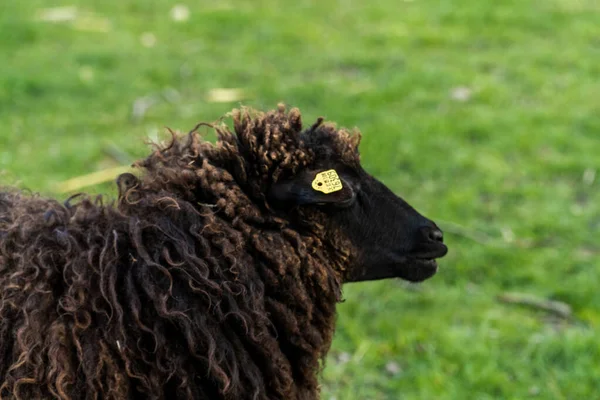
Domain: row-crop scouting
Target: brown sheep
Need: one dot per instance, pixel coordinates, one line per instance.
(215, 275)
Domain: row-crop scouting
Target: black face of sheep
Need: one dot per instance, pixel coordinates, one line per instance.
(391, 239)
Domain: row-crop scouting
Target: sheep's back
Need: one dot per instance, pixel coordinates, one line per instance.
(155, 302)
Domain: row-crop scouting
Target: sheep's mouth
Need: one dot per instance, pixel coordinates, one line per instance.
(426, 262)
(412, 267)
(430, 252)
(419, 269)
(424, 265)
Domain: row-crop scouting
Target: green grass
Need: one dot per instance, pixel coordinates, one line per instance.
(509, 173)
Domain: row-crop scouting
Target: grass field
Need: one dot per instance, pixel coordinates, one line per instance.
(483, 114)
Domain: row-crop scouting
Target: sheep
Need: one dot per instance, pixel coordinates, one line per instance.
(215, 273)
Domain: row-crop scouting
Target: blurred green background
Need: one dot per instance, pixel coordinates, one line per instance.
(485, 115)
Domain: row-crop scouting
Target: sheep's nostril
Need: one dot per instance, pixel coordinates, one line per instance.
(435, 235)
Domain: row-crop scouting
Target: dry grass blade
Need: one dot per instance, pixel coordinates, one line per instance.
(223, 95)
(57, 14)
(91, 179)
(558, 308)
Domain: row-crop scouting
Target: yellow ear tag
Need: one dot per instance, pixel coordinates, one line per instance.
(327, 182)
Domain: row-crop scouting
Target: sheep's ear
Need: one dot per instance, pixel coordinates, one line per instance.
(125, 182)
(313, 187)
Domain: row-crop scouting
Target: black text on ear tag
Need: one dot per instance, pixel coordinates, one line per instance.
(327, 182)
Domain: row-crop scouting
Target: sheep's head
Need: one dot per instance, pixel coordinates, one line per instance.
(270, 160)
(389, 238)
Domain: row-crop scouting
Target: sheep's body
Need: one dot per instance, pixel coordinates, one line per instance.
(215, 275)
(177, 301)
(187, 288)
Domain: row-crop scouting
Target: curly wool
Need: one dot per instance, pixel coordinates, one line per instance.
(191, 286)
